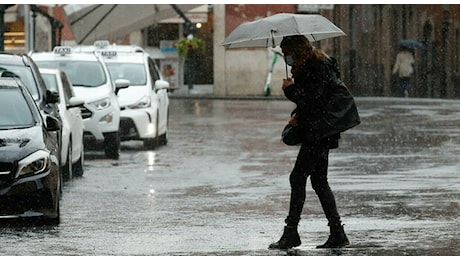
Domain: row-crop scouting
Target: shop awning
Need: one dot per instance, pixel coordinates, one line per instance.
(109, 21)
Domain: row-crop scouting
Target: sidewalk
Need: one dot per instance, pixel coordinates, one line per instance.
(198, 90)
(206, 91)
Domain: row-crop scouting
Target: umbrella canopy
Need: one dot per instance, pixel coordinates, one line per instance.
(91, 22)
(411, 44)
(269, 31)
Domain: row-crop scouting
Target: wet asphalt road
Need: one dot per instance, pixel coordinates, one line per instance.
(220, 187)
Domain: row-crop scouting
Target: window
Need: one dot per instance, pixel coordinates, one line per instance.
(14, 110)
(134, 72)
(81, 73)
(24, 73)
(154, 71)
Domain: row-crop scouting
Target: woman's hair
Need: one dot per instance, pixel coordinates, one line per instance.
(301, 46)
(295, 42)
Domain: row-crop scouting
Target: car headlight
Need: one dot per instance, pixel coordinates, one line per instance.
(142, 103)
(101, 104)
(35, 163)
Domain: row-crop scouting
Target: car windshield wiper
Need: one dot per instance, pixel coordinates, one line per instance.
(83, 85)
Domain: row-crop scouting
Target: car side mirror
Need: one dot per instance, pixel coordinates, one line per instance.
(52, 97)
(121, 84)
(75, 102)
(52, 123)
(161, 84)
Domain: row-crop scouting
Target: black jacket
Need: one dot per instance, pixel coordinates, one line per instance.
(312, 82)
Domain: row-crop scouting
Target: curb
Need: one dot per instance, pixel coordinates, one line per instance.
(227, 97)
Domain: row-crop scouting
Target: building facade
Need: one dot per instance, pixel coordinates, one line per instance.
(366, 54)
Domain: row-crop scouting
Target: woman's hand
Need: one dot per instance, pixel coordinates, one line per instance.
(287, 82)
(293, 121)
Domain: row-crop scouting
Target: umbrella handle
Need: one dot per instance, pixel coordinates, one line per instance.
(280, 54)
(286, 70)
(272, 32)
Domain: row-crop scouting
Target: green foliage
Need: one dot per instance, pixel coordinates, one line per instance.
(185, 45)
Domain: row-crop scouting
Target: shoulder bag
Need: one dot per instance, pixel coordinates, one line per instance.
(339, 114)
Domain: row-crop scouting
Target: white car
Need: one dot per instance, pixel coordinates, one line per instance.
(72, 147)
(92, 82)
(145, 103)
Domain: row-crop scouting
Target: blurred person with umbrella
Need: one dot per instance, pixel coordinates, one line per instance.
(404, 69)
(314, 74)
(411, 44)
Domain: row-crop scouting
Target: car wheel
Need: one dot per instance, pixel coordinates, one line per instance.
(152, 143)
(57, 219)
(54, 217)
(77, 168)
(67, 168)
(112, 145)
(164, 137)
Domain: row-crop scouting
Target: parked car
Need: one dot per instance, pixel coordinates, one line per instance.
(145, 103)
(92, 82)
(30, 179)
(72, 147)
(23, 67)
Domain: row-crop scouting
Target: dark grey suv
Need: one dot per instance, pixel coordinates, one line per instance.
(23, 67)
(30, 179)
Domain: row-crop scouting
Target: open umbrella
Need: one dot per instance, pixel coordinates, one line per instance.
(411, 44)
(269, 31)
(91, 22)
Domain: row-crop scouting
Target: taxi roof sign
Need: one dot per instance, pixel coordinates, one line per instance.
(62, 50)
(108, 54)
(101, 44)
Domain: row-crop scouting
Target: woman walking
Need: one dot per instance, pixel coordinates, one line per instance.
(313, 72)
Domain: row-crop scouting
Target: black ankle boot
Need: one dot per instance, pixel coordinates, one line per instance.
(337, 238)
(289, 239)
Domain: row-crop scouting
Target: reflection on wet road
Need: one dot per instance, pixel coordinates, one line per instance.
(220, 187)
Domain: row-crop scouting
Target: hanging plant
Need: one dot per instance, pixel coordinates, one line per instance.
(184, 45)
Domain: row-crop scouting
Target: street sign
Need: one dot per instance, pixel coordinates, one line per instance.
(313, 8)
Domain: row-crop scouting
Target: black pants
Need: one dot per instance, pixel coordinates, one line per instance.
(311, 161)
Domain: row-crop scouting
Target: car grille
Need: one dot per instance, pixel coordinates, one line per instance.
(5, 173)
(85, 112)
(5, 167)
(127, 129)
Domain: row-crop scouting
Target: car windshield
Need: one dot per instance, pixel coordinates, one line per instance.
(24, 73)
(14, 110)
(81, 73)
(51, 82)
(134, 72)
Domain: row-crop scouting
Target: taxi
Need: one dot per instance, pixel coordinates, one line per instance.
(92, 82)
(72, 123)
(145, 103)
